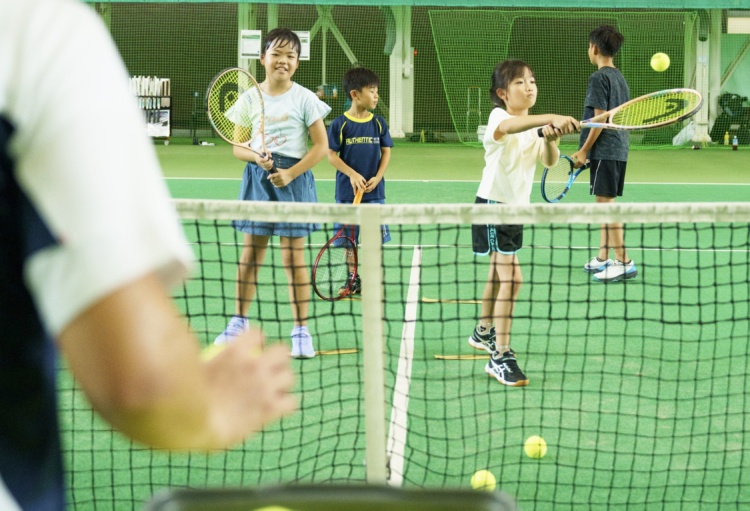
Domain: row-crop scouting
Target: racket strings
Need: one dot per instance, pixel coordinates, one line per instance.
(658, 109)
(235, 107)
(557, 178)
(332, 271)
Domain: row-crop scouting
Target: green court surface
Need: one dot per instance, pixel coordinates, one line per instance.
(450, 173)
(637, 388)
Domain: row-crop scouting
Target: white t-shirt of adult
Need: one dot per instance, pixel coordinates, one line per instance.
(510, 162)
(83, 158)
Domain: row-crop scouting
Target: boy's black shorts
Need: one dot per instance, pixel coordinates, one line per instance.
(607, 177)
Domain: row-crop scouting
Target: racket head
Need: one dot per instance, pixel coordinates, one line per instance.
(653, 110)
(335, 268)
(332, 278)
(234, 105)
(557, 180)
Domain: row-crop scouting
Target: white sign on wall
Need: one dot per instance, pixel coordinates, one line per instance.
(251, 40)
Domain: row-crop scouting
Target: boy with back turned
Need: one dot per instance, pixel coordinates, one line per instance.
(607, 152)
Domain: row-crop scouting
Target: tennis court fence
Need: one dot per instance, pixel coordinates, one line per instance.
(434, 59)
(639, 388)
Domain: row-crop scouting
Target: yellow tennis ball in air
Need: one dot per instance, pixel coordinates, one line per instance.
(483, 480)
(535, 447)
(660, 62)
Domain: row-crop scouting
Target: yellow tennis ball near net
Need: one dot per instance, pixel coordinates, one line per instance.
(535, 447)
(660, 62)
(483, 480)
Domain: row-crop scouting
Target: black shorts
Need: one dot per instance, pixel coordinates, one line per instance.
(607, 178)
(506, 239)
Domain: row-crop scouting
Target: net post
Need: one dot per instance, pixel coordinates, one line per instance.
(372, 340)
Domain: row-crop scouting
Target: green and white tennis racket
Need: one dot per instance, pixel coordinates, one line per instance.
(234, 104)
(650, 111)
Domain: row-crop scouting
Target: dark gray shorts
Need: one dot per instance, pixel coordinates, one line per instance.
(607, 178)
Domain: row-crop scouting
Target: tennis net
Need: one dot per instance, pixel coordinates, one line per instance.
(639, 388)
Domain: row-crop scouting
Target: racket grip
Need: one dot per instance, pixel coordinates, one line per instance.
(539, 132)
(272, 170)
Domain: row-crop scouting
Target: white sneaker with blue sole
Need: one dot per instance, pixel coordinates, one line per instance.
(595, 265)
(616, 272)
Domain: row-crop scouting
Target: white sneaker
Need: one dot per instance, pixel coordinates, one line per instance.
(302, 346)
(616, 272)
(237, 326)
(595, 265)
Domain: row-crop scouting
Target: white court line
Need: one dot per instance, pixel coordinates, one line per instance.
(400, 408)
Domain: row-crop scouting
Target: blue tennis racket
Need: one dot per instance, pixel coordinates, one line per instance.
(557, 180)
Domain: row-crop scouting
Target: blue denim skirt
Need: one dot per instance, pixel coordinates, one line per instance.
(257, 187)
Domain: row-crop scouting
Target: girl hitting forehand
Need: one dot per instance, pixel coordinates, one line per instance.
(512, 148)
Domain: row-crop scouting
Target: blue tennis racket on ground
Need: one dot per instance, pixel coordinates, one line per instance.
(557, 180)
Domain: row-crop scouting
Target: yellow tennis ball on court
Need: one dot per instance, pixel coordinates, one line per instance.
(483, 480)
(273, 508)
(660, 62)
(535, 447)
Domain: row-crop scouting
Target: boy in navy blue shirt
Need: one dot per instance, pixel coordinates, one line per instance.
(359, 147)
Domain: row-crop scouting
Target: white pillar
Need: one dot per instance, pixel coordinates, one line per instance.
(247, 19)
(273, 16)
(401, 64)
(702, 86)
(714, 63)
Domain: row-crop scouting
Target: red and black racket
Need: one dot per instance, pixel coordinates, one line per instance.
(335, 268)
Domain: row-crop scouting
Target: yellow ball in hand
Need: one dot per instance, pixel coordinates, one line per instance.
(483, 480)
(660, 62)
(535, 447)
(211, 351)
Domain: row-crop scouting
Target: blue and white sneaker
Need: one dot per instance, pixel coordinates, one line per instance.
(484, 342)
(302, 345)
(617, 272)
(505, 370)
(237, 326)
(595, 265)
